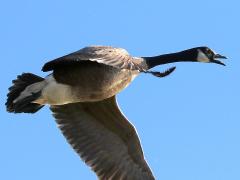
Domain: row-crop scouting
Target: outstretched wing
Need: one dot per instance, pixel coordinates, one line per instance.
(116, 57)
(104, 139)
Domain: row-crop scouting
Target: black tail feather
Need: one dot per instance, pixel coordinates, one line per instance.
(24, 105)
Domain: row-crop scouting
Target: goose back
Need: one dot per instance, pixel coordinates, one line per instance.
(116, 57)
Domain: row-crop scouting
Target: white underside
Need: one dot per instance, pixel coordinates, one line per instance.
(55, 93)
(51, 92)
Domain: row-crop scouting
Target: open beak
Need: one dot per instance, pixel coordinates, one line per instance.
(218, 56)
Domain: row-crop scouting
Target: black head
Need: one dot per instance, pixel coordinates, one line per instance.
(205, 54)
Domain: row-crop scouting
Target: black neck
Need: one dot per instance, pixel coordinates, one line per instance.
(182, 56)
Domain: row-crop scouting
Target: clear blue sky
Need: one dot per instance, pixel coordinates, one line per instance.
(188, 123)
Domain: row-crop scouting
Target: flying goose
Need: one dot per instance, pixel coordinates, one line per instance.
(81, 92)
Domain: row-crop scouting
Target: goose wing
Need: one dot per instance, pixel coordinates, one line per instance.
(104, 139)
(116, 57)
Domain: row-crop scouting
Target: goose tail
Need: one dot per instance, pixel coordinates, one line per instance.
(25, 90)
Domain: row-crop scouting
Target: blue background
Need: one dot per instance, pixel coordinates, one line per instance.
(189, 122)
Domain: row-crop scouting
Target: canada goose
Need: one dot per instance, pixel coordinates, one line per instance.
(81, 94)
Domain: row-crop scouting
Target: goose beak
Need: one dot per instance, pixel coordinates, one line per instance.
(218, 56)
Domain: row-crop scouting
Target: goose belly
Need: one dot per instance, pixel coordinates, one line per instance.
(86, 85)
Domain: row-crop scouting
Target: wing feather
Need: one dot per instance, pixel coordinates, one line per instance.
(104, 139)
(116, 57)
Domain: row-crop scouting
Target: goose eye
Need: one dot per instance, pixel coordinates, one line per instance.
(209, 52)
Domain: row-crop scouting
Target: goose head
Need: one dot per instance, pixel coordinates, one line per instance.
(205, 54)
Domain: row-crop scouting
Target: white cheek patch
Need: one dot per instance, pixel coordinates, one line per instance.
(202, 57)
